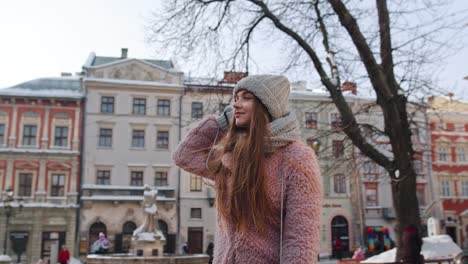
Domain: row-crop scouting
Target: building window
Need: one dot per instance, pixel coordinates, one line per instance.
(371, 195)
(464, 188)
(460, 151)
(311, 119)
(443, 154)
(197, 110)
(2, 134)
(105, 137)
(336, 122)
(139, 106)
(160, 178)
(61, 136)
(29, 135)
(164, 107)
(445, 188)
(440, 126)
(195, 183)
(338, 148)
(460, 127)
(339, 183)
(103, 177)
(25, 184)
(58, 185)
(136, 178)
(138, 138)
(107, 104)
(421, 194)
(162, 141)
(195, 213)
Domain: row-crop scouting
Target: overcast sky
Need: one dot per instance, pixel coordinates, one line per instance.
(47, 37)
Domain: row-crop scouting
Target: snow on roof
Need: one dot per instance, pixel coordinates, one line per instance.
(319, 93)
(60, 87)
(48, 151)
(132, 82)
(434, 247)
(202, 81)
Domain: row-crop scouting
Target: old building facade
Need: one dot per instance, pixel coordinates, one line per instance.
(449, 137)
(132, 112)
(202, 97)
(40, 154)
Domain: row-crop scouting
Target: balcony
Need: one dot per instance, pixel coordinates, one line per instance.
(93, 192)
(389, 213)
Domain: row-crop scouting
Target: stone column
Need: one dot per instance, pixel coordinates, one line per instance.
(36, 235)
(76, 129)
(41, 193)
(45, 130)
(13, 123)
(9, 174)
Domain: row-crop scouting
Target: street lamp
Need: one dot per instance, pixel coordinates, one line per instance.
(211, 197)
(316, 146)
(7, 200)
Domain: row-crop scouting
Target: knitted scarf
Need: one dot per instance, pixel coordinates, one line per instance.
(283, 131)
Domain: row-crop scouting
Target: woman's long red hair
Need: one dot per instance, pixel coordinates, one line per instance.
(242, 197)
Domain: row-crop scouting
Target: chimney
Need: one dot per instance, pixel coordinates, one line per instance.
(349, 86)
(234, 77)
(124, 53)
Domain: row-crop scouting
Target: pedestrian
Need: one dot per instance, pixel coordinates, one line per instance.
(338, 246)
(268, 183)
(185, 249)
(101, 245)
(209, 252)
(358, 254)
(411, 245)
(64, 255)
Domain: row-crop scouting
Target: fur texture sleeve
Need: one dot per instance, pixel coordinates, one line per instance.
(192, 152)
(303, 203)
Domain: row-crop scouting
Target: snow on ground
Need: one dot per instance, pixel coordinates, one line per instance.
(74, 261)
(5, 258)
(434, 247)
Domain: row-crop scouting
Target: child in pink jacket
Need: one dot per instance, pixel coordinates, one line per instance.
(268, 183)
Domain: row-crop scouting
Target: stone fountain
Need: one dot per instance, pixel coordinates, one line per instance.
(148, 240)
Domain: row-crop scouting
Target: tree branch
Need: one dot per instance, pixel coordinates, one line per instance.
(386, 43)
(351, 127)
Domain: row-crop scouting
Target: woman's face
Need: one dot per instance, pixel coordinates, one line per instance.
(243, 108)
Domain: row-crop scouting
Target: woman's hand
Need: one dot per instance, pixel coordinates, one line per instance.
(225, 117)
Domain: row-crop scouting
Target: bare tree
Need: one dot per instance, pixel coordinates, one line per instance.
(388, 46)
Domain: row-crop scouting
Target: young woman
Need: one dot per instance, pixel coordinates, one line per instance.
(268, 184)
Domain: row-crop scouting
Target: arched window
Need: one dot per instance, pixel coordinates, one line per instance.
(339, 229)
(127, 234)
(128, 228)
(94, 231)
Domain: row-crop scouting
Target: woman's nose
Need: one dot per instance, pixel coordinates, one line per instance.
(236, 104)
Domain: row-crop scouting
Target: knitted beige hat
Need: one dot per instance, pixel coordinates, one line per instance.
(272, 90)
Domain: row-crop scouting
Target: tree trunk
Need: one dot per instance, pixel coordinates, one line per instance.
(406, 205)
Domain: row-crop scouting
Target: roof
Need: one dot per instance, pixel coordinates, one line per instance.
(99, 60)
(447, 104)
(69, 87)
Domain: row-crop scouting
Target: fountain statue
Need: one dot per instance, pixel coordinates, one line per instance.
(148, 239)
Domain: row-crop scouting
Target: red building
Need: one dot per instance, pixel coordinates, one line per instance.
(40, 142)
(449, 143)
